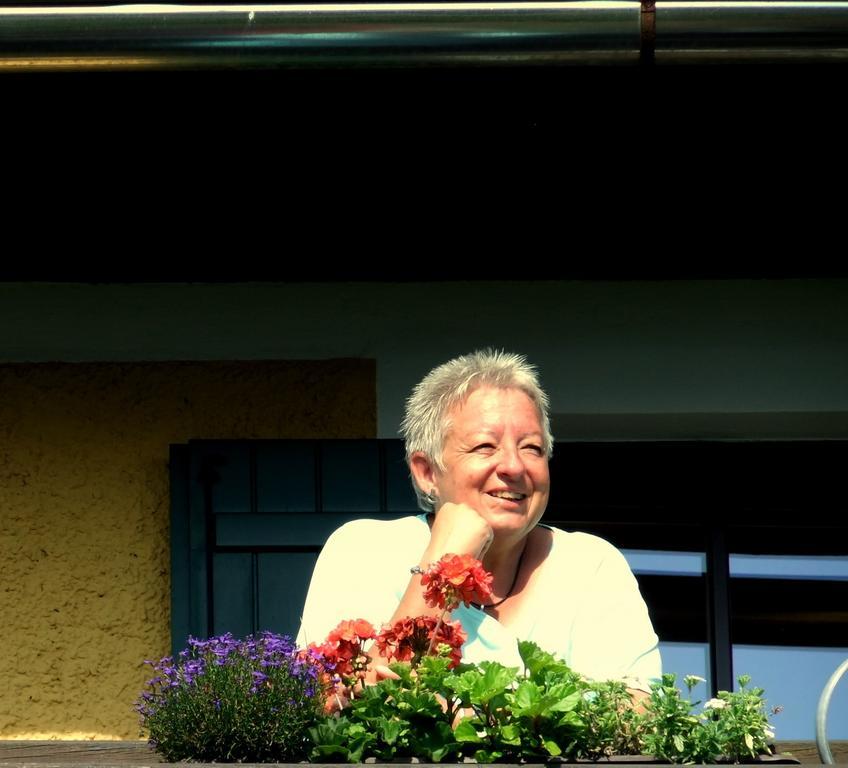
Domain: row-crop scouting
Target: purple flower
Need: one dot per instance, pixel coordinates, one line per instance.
(262, 676)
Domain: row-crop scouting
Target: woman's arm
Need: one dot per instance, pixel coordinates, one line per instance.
(362, 569)
(458, 530)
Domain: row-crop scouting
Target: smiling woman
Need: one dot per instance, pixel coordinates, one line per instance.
(494, 461)
(478, 443)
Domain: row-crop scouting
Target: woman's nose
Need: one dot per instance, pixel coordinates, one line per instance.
(510, 463)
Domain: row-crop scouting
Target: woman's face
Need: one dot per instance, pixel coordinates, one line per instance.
(495, 460)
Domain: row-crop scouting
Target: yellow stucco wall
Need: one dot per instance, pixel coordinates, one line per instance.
(84, 540)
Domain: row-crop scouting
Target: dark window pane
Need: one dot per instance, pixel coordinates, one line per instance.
(350, 479)
(399, 494)
(285, 476)
(283, 580)
(233, 594)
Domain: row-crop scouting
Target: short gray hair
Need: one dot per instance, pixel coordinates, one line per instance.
(426, 419)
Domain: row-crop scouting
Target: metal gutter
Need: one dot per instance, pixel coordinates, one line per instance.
(752, 31)
(419, 34)
(320, 35)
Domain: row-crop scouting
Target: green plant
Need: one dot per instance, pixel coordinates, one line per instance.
(545, 711)
(438, 708)
(669, 726)
(486, 712)
(229, 700)
(612, 725)
(518, 716)
(261, 700)
(738, 723)
(734, 726)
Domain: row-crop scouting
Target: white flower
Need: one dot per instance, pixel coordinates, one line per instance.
(768, 732)
(715, 704)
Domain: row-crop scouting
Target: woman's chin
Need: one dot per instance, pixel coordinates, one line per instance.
(510, 521)
(508, 517)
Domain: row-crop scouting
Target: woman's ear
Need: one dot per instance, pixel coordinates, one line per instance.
(423, 471)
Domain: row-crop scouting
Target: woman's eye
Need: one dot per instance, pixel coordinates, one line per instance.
(537, 449)
(484, 447)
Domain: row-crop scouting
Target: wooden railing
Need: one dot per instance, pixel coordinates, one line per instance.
(119, 753)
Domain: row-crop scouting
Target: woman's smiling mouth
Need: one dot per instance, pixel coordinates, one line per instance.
(509, 495)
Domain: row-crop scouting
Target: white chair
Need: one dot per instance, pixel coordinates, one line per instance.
(821, 713)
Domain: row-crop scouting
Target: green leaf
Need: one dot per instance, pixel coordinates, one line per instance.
(495, 680)
(438, 754)
(357, 746)
(526, 699)
(331, 730)
(331, 753)
(390, 730)
(375, 700)
(749, 742)
(463, 685)
(531, 700)
(678, 742)
(339, 740)
(404, 671)
(415, 703)
(532, 655)
(571, 719)
(435, 741)
(563, 697)
(432, 672)
(481, 686)
(466, 732)
(358, 739)
(537, 662)
(552, 747)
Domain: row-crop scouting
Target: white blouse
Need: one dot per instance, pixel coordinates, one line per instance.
(587, 608)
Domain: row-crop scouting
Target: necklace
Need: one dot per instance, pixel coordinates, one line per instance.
(482, 607)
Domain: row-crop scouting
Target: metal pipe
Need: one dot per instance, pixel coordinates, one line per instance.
(319, 35)
(821, 713)
(718, 609)
(748, 31)
(415, 34)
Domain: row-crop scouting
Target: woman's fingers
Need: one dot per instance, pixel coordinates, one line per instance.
(337, 700)
(384, 673)
(461, 714)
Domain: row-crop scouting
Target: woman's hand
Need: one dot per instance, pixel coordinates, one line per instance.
(380, 672)
(638, 700)
(337, 699)
(460, 530)
(377, 672)
(341, 695)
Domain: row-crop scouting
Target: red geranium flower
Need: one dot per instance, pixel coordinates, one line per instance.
(342, 652)
(456, 579)
(352, 631)
(410, 639)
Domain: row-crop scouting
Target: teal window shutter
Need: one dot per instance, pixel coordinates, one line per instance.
(248, 519)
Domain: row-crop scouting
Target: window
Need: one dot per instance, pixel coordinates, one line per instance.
(734, 544)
